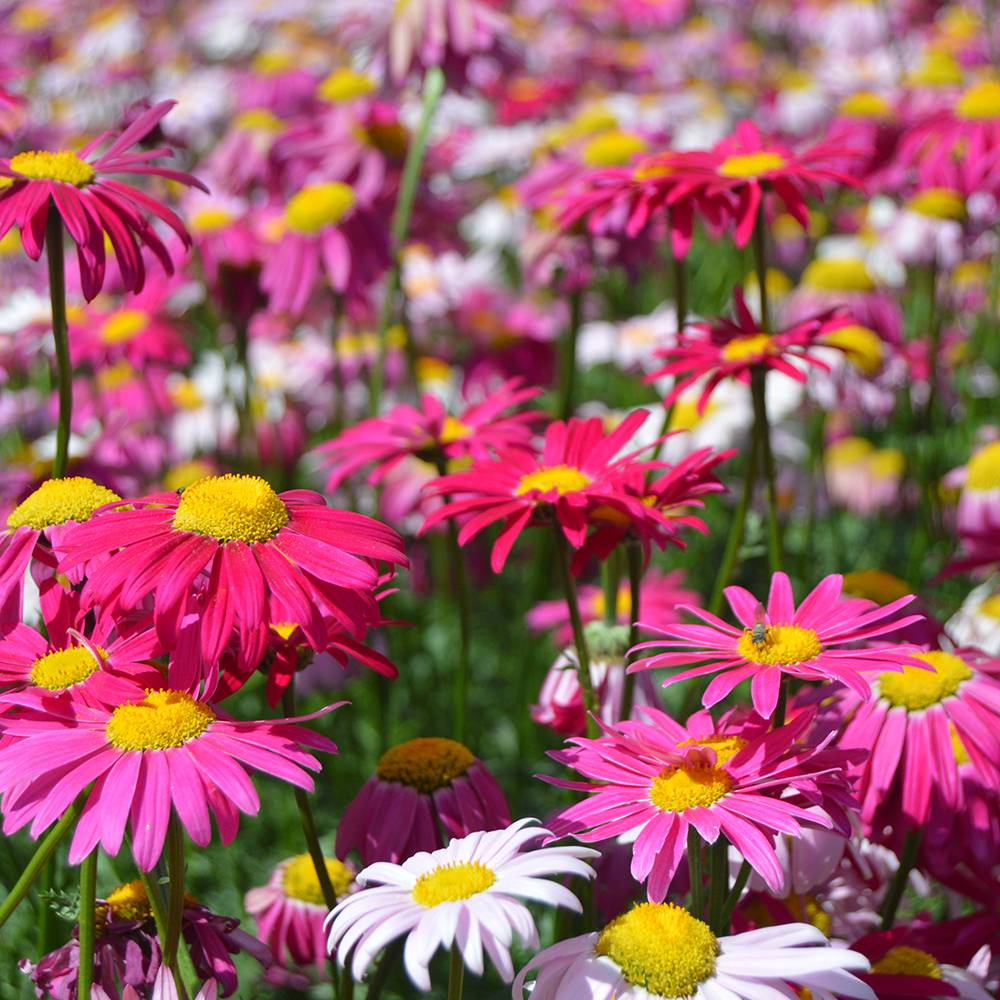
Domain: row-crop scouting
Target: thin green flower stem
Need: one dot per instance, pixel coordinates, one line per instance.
(762, 432)
(55, 254)
(386, 963)
(175, 889)
(760, 264)
(433, 89)
(87, 919)
(46, 930)
(907, 859)
(43, 852)
(734, 895)
(569, 355)
(680, 291)
(347, 980)
(781, 705)
(633, 552)
(697, 871)
(735, 532)
(718, 885)
(306, 816)
(461, 682)
(583, 657)
(611, 571)
(456, 974)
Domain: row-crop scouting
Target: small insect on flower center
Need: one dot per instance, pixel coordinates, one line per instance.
(63, 166)
(783, 644)
(425, 764)
(914, 689)
(751, 164)
(63, 668)
(683, 786)
(661, 948)
(231, 507)
(755, 347)
(983, 470)
(130, 902)
(60, 500)
(561, 478)
(459, 880)
(124, 325)
(725, 747)
(163, 719)
(319, 205)
(980, 102)
(904, 961)
(299, 879)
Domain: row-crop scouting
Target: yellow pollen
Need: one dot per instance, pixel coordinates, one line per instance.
(682, 786)
(984, 469)
(426, 764)
(63, 668)
(661, 948)
(209, 220)
(63, 166)
(980, 102)
(685, 416)
(300, 882)
(837, 274)
(163, 719)
(865, 104)
(725, 747)
(258, 119)
(755, 347)
(848, 451)
(185, 395)
(612, 149)
(115, 376)
(449, 883)
(887, 463)
(284, 629)
(344, 85)
(181, 476)
(751, 164)
(124, 325)
(991, 607)
(57, 501)
(129, 902)
(454, 430)
(783, 645)
(938, 69)
(806, 908)
(876, 585)
(904, 961)
(561, 478)
(915, 689)
(938, 203)
(861, 346)
(231, 507)
(319, 205)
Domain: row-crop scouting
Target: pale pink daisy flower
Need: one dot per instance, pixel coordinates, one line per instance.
(167, 752)
(661, 950)
(800, 641)
(461, 896)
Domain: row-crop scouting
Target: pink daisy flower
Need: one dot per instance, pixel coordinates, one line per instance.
(168, 751)
(92, 205)
(418, 788)
(258, 557)
(659, 778)
(462, 895)
(802, 642)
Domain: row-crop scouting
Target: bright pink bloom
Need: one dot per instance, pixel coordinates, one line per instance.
(93, 205)
(799, 641)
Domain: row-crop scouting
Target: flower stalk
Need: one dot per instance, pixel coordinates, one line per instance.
(56, 257)
(87, 919)
(762, 436)
(907, 860)
(456, 974)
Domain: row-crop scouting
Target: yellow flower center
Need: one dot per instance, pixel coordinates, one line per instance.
(914, 689)
(115, 376)
(284, 629)
(755, 347)
(984, 469)
(209, 220)
(231, 507)
(991, 607)
(612, 149)
(876, 585)
(163, 719)
(59, 500)
(258, 119)
(887, 463)
(63, 166)
(862, 347)
(848, 451)
(452, 882)
(319, 205)
(725, 747)
(957, 747)
(904, 961)
(938, 69)
(65, 667)
(124, 325)
(10, 245)
(782, 645)
(938, 203)
(980, 102)
(682, 786)
(751, 164)
(344, 85)
(425, 764)
(299, 879)
(561, 478)
(865, 104)
(837, 274)
(685, 416)
(179, 477)
(130, 902)
(661, 948)
(454, 430)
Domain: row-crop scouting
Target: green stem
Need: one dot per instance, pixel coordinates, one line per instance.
(569, 355)
(175, 889)
(347, 980)
(54, 250)
(611, 571)
(907, 859)
(633, 552)
(680, 292)
(762, 433)
(718, 885)
(760, 264)
(734, 895)
(461, 578)
(433, 89)
(735, 532)
(87, 922)
(781, 706)
(42, 854)
(46, 918)
(456, 974)
(386, 963)
(697, 872)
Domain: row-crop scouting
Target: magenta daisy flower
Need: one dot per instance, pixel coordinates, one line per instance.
(659, 778)
(92, 205)
(255, 557)
(167, 752)
(418, 788)
(802, 642)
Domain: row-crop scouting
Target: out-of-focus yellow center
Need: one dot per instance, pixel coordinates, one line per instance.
(124, 325)
(865, 104)
(130, 902)
(682, 786)
(299, 879)
(751, 164)
(344, 85)
(782, 645)
(757, 346)
(209, 220)
(725, 747)
(163, 719)
(63, 668)
(612, 148)
(454, 430)
(837, 274)
(685, 416)
(449, 883)
(10, 244)
(258, 120)
(115, 376)
(904, 961)
(319, 205)
(915, 689)
(179, 477)
(980, 102)
(426, 764)
(63, 166)
(59, 500)
(660, 948)
(991, 607)
(561, 478)
(938, 69)
(957, 747)
(876, 585)
(231, 507)
(938, 203)
(862, 347)
(983, 470)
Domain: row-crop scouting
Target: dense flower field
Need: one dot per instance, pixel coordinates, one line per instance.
(500, 497)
